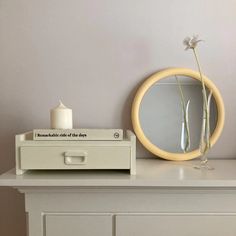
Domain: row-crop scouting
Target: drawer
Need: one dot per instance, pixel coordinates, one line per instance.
(75, 225)
(109, 157)
(176, 224)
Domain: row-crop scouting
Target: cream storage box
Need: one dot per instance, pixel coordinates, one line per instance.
(75, 155)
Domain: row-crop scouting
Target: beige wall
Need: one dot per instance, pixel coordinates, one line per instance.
(92, 54)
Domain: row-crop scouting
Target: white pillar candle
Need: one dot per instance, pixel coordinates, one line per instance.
(61, 117)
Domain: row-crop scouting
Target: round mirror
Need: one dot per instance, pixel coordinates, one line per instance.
(157, 113)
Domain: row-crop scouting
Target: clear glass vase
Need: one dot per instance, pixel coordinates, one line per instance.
(205, 143)
(204, 165)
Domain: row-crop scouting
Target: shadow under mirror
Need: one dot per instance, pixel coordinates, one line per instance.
(161, 112)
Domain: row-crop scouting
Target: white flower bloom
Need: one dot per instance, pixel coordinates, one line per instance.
(191, 42)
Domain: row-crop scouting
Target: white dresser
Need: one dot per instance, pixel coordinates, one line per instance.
(163, 199)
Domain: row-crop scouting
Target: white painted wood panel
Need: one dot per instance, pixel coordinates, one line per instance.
(75, 157)
(163, 199)
(150, 173)
(78, 225)
(176, 224)
(44, 155)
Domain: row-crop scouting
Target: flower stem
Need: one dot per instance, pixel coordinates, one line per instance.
(205, 135)
(202, 80)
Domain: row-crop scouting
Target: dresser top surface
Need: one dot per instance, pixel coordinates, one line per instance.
(150, 173)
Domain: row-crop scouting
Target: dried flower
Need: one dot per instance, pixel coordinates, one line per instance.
(191, 42)
(205, 143)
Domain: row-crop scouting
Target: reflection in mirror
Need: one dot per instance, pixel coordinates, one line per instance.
(161, 114)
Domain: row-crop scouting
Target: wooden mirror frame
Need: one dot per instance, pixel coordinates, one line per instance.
(138, 99)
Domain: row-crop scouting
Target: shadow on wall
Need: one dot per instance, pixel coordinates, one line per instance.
(12, 217)
(127, 123)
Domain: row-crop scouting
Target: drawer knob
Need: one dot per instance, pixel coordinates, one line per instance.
(75, 157)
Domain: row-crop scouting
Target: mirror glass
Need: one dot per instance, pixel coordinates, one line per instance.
(161, 115)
